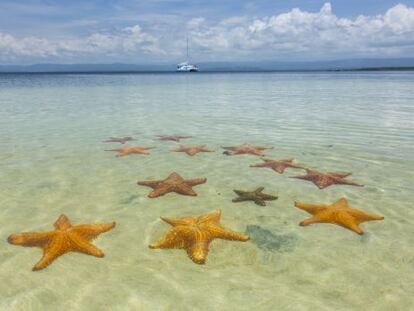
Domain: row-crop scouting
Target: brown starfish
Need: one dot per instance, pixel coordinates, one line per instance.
(131, 150)
(121, 140)
(65, 238)
(277, 165)
(323, 180)
(257, 196)
(172, 137)
(194, 234)
(192, 150)
(173, 183)
(247, 149)
(339, 213)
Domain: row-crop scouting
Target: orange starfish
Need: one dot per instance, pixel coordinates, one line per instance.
(172, 137)
(121, 140)
(277, 165)
(192, 150)
(65, 238)
(247, 149)
(323, 180)
(131, 150)
(194, 234)
(173, 183)
(339, 213)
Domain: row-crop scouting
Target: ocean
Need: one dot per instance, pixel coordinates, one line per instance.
(53, 162)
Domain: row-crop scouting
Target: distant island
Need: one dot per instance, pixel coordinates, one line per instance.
(385, 64)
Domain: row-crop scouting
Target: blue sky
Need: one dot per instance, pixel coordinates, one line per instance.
(99, 31)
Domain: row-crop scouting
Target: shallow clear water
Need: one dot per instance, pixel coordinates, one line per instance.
(52, 162)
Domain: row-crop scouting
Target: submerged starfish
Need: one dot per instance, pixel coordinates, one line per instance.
(131, 150)
(121, 140)
(277, 165)
(323, 180)
(257, 196)
(339, 213)
(247, 149)
(172, 137)
(192, 150)
(194, 234)
(65, 238)
(173, 183)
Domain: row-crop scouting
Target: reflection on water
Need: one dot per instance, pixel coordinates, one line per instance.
(52, 162)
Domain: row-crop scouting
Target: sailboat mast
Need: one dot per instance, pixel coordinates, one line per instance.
(187, 50)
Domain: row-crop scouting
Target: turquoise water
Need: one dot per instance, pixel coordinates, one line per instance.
(52, 162)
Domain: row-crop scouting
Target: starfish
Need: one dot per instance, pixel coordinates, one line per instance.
(192, 150)
(173, 183)
(246, 149)
(339, 213)
(277, 165)
(323, 180)
(131, 150)
(257, 196)
(65, 238)
(121, 140)
(172, 137)
(194, 234)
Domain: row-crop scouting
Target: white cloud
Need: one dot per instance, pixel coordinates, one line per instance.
(294, 34)
(127, 41)
(310, 34)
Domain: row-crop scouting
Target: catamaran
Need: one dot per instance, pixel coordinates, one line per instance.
(187, 66)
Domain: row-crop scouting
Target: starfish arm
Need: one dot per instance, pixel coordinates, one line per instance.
(260, 202)
(192, 152)
(159, 191)
(279, 168)
(150, 183)
(197, 181)
(218, 232)
(240, 192)
(30, 238)
(179, 221)
(263, 148)
(257, 152)
(62, 223)
(300, 177)
(322, 183)
(340, 174)
(350, 183)
(90, 232)
(362, 216)
(50, 253)
(258, 190)
(198, 251)
(259, 165)
(213, 217)
(117, 150)
(269, 197)
(342, 202)
(311, 208)
(83, 246)
(240, 199)
(185, 189)
(311, 220)
(173, 239)
(347, 221)
(354, 227)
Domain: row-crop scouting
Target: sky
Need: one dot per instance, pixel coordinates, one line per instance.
(155, 31)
